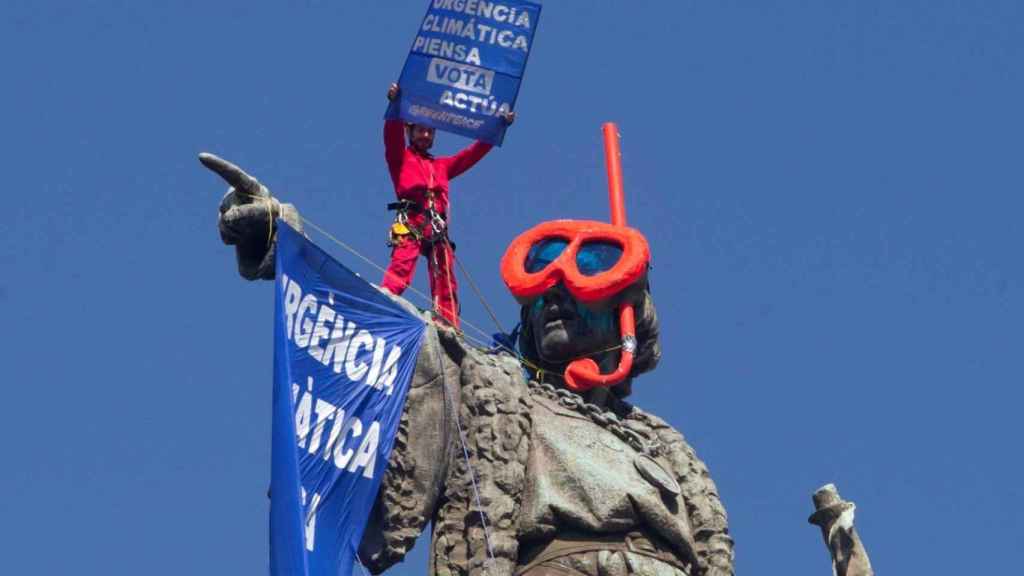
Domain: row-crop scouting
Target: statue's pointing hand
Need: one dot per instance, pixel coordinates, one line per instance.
(247, 218)
(247, 210)
(238, 179)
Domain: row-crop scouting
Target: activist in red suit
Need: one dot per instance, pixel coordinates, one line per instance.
(420, 226)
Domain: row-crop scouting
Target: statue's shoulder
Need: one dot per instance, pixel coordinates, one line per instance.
(409, 307)
(664, 431)
(679, 453)
(703, 503)
(499, 361)
(493, 367)
(492, 379)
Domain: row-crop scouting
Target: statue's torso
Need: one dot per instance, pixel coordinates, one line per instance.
(546, 469)
(583, 478)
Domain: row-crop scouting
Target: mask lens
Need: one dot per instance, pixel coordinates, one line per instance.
(596, 257)
(544, 253)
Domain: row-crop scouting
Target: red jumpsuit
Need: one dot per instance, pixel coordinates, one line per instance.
(413, 174)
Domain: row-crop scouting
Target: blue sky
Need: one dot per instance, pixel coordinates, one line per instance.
(831, 190)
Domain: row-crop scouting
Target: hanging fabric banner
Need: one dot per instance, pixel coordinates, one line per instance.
(344, 355)
(465, 66)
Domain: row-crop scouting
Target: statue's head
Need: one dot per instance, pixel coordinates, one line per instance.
(572, 279)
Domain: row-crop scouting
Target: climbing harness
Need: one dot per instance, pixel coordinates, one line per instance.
(402, 226)
(432, 236)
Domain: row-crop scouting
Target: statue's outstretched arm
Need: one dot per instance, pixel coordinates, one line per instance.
(247, 218)
(425, 441)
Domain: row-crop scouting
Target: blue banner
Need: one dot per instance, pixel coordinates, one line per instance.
(344, 356)
(465, 66)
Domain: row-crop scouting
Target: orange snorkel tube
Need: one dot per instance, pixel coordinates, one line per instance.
(584, 374)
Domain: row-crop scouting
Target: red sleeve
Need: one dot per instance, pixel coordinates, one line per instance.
(394, 146)
(465, 159)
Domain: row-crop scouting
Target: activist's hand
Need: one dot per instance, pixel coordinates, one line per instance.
(393, 91)
(509, 117)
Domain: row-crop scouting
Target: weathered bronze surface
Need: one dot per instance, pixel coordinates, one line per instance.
(518, 475)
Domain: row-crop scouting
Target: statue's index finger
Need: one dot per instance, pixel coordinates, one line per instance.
(231, 174)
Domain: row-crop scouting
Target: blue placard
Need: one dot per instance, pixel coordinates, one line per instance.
(465, 66)
(344, 356)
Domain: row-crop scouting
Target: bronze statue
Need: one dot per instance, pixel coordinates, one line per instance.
(522, 475)
(517, 473)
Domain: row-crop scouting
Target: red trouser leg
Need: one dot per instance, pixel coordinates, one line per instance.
(443, 286)
(402, 267)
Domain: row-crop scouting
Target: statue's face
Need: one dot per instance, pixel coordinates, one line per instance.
(564, 330)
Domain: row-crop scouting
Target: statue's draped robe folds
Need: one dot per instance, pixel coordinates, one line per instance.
(542, 469)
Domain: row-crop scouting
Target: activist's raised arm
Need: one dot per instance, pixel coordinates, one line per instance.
(247, 218)
(466, 158)
(473, 153)
(394, 138)
(394, 144)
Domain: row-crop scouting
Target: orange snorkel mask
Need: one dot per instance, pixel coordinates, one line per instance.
(594, 261)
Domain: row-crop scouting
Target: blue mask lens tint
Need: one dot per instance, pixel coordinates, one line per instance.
(544, 253)
(596, 257)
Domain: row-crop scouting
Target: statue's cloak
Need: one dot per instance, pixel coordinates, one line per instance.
(469, 404)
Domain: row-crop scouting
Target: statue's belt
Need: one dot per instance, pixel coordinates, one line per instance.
(575, 543)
